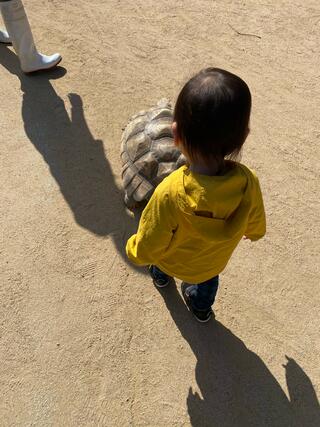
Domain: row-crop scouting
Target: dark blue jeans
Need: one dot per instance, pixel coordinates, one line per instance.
(202, 295)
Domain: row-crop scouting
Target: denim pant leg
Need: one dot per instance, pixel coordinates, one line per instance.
(202, 296)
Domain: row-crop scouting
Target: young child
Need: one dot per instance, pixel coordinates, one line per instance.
(198, 214)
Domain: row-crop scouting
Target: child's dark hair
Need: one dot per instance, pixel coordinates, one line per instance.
(212, 114)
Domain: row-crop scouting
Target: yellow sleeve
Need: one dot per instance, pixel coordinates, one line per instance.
(256, 227)
(156, 228)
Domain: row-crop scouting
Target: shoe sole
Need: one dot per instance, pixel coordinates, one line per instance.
(160, 286)
(188, 304)
(202, 321)
(44, 69)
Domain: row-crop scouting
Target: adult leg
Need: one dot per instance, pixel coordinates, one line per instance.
(19, 31)
(4, 37)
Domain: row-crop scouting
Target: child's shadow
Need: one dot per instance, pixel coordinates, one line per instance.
(237, 389)
(76, 160)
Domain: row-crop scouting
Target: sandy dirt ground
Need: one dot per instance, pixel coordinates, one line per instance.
(85, 338)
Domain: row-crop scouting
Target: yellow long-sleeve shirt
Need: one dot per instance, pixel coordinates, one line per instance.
(193, 222)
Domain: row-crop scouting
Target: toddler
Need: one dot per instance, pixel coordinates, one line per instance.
(198, 214)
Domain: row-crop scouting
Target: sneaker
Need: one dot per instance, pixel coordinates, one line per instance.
(201, 315)
(160, 279)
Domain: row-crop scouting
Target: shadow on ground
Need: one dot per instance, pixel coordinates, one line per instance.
(76, 160)
(237, 388)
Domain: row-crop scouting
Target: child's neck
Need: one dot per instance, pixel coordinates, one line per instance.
(218, 168)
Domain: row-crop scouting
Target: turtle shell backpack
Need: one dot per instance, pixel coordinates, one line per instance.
(148, 153)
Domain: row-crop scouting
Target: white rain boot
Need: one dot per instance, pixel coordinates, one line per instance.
(19, 30)
(4, 37)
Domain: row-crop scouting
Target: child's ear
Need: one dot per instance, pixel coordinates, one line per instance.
(175, 134)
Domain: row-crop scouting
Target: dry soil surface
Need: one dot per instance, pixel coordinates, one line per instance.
(85, 339)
